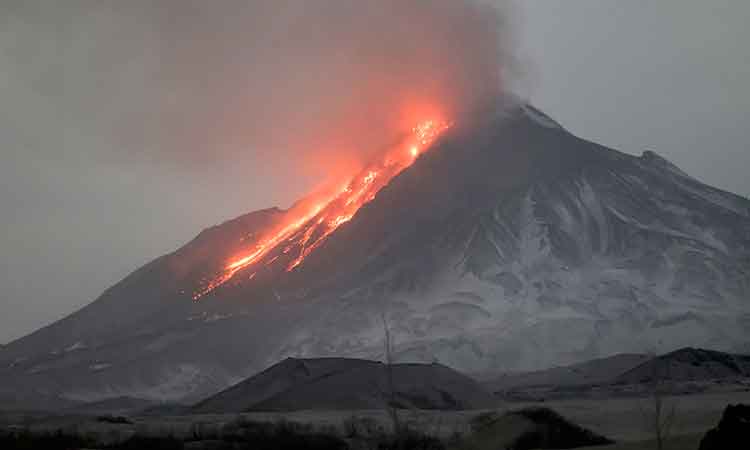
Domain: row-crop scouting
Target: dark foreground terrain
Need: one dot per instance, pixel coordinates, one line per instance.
(340, 403)
(591, 423)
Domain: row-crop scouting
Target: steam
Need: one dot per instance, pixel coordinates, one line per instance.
(318, 86)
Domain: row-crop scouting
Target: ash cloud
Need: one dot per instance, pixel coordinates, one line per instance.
(289, 86)
(314, 87)
(322, 84)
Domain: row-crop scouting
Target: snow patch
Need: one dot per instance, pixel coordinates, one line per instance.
(77, 346)
(534, 242)
(539, 117)
(176, 384)
(593, 205)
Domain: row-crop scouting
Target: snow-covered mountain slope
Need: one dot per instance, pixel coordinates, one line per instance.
(511, 245)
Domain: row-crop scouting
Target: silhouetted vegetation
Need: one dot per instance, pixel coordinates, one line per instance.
(519, 430)
(555, 432)
(245, 434)
(408, 439)
(114, 420)
(732, 431)
(532, 428)
(367, 433)
(362, 427)
(236, 436)
(660, 414)
(149, 443)
(52, 441)
(60, 440)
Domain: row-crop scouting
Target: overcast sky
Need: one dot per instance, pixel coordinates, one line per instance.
(84, 199)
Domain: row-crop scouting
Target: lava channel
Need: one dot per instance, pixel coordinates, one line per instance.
(308, 228)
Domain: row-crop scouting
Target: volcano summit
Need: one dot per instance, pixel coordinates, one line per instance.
(510, 244)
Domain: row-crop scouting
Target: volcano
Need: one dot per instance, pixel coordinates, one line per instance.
(510, 245)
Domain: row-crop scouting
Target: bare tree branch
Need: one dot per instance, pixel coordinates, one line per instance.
(390, 401)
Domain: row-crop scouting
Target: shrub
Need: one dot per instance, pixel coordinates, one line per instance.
(362, 427)
(409, 440)
(52, 441)
(280, 436)
(483, 420)
(114, 419)
(149, 443)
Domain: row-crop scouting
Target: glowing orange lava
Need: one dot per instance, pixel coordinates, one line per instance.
(308, 228)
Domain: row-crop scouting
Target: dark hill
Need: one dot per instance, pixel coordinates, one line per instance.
(689, 364)
(351, 384)
(600, 371)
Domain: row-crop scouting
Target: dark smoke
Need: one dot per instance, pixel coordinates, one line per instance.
(318, 85)
(293, 88)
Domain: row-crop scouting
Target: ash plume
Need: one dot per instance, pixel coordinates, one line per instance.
(290, 88)
(319, 86)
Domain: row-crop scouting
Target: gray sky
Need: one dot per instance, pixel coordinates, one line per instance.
(86, 196)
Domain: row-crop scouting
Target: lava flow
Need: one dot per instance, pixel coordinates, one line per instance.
(307, 228)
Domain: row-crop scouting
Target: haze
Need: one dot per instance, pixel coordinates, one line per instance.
(125, 129)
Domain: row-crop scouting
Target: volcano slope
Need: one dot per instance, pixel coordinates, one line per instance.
(511, 245)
